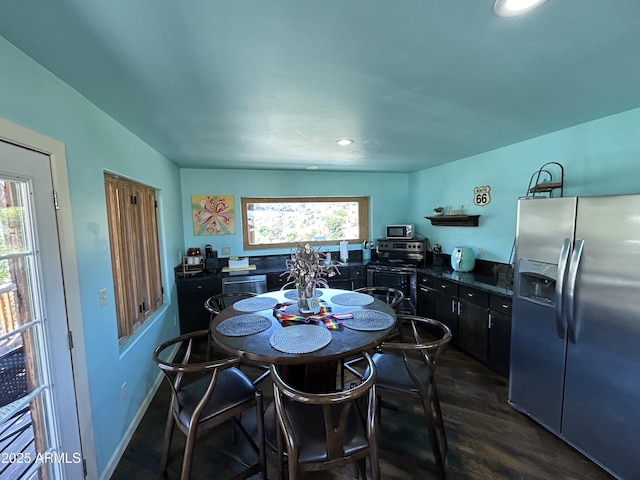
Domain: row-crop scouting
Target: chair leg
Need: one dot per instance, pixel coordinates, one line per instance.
(280, 442)
(361, 468)
(187, 460)
(262, 449)
(433, 427)
(166, 444)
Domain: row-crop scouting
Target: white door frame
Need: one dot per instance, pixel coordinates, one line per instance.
(16, 134)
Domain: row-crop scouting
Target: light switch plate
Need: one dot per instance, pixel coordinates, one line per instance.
(102, 294)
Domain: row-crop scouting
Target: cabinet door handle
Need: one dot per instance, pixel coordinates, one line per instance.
(470, 295)
(453, 306)
(427, 289)
(490, 321)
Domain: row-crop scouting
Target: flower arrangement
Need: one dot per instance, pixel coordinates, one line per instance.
(308, 269)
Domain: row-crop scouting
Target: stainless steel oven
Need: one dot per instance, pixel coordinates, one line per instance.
(396, 266)
(401, 278)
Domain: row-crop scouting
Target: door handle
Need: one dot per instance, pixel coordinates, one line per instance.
(576, 258)
(563, 261)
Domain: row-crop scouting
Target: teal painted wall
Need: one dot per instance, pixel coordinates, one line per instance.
(388, 197)
(31, 97)
(599, 158)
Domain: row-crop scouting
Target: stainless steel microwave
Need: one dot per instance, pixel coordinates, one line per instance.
(400, 231)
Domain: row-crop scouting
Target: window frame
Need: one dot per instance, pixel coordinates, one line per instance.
(135, 252)
(363, 219)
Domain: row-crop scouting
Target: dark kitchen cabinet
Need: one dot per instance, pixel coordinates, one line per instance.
(426, 306)
(358, 276)
(192, 293)
(446, 306)
(275, 281)
(473, 321)
(499, 334)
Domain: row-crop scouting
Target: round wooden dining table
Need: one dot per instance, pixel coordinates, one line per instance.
(251, 328)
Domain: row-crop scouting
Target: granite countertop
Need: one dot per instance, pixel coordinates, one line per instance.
(495, 281)
(487, 276)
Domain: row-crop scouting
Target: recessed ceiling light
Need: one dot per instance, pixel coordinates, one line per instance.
(312, 167)
(510, 8)
(343, 142)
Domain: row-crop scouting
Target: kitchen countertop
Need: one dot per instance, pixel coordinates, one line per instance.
(495, 282)
(487, 276)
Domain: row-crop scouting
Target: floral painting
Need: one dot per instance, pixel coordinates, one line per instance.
(213, 214)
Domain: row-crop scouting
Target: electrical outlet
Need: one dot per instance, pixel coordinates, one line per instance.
(226, 250)
(102, 295)
(123, 391)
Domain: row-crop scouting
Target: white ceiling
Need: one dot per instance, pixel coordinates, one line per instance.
(274, 83)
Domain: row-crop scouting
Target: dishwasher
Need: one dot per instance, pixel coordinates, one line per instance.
(244, 283)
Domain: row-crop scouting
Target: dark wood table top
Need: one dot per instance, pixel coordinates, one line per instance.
(343, 343)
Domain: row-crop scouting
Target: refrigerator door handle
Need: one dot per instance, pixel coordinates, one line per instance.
(563, 262)
(576, 257)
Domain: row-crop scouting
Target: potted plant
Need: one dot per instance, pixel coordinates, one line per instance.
(308, 269)
(438, 211)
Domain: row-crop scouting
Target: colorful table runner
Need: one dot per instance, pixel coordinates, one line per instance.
(331, 320)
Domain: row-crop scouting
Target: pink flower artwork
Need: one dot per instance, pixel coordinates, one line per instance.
(213, 215)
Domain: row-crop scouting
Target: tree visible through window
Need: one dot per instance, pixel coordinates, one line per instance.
(135, 258)
(285, 222)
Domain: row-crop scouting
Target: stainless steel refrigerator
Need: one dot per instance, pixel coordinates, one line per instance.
(575, 344)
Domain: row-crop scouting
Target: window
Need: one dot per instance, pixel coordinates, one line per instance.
(135, 258)
(286, 222)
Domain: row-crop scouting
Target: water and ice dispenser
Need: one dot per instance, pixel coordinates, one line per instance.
(537, 281)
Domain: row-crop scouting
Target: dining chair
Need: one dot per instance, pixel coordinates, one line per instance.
(319, 431)
(214, 305)
(218, 302)
(206, 394)
(407, 369)
(391, 296)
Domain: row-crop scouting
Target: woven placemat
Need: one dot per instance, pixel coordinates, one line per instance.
(255, 304)
(300, 339)
(242, 325)
(352, 299)
(369, 320)
(293, 294)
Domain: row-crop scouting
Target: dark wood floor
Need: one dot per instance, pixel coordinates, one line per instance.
(487, 438)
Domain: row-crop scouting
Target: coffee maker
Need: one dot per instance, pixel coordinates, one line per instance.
(210, 259)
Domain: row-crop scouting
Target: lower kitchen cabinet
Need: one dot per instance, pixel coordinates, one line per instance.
(426, 302)
(358, 277)
(192, 293)
(480, 322)
(275, 281)
(499, 334)
(349, 278)
(473, 322)
(446, 306)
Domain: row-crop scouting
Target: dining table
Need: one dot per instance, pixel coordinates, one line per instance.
(307, 348)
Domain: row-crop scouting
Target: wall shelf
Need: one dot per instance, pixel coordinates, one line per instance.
(454, 220)
(545, 187)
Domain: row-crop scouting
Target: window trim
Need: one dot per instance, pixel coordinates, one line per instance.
(363, 219)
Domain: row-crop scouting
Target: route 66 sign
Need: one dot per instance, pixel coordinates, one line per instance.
(482, 195)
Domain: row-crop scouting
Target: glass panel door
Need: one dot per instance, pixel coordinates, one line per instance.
(30, 407)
